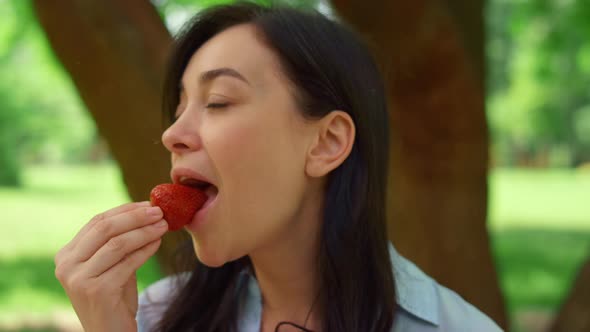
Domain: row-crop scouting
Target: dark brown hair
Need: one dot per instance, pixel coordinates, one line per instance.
(331, 69)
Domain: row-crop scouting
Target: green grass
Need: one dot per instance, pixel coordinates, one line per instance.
(540, 227)
(536, 267)
(539, 221)
(550, 199)
(38, 220)
(54, 203)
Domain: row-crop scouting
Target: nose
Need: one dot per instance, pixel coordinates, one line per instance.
(181, 137)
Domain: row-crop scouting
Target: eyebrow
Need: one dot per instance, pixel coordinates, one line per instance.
(210, 75)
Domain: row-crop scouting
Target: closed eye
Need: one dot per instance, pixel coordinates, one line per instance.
(216, 105)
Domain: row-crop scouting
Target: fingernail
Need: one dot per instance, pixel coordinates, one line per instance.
(154, 211)
(161, 223)
(144, 203)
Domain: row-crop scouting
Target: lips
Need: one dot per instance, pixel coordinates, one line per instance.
(189, 177)
(202, 213)
(192, 178)
(198, 184)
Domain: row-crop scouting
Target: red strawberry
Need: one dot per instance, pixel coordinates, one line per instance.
(179, 203)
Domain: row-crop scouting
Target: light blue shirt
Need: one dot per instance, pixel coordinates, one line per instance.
(424, 305)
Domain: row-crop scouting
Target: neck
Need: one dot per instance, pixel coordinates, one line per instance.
(287, 270)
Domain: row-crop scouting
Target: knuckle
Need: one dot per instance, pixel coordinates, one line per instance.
(97, 218)
(61, 266)
(72, 282)
(128, 259)
(59, 257)
(115, 244)
(152, 233)
(136, 258)
(141, 213)
(60, 273)
(102, 227)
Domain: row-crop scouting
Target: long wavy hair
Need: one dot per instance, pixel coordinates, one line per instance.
(331, 69)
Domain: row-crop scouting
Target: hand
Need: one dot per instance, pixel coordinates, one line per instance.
(97, 268)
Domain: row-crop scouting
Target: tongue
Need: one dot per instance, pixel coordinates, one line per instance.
(211, 191)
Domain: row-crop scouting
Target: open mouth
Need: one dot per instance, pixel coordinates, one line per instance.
(209, 189)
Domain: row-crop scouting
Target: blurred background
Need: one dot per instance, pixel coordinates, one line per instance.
(58, 169)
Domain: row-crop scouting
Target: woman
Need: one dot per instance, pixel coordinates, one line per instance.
(284, 114)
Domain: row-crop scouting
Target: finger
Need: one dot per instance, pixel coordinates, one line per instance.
(64, 254)
(97, 236)
(118, 247)
(120, 273)
(107, 214)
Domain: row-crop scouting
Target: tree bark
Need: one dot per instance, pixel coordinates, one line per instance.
(574, 315)
(115, 53)
(432, 57)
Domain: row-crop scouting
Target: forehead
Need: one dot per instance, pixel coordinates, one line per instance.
(240, 48)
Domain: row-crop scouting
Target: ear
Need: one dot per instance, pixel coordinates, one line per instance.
(333, 142)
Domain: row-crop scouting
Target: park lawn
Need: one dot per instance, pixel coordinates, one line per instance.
(550, 199)
(38, 220)
(540, 227)
(538, 221)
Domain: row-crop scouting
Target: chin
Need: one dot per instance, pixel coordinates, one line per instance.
(211, 262)
(210, 257)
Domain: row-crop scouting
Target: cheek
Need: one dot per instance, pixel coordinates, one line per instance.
(234, 148)
(260, 170)
(249, 156)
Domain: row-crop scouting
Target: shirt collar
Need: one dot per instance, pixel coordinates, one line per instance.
(416, 292)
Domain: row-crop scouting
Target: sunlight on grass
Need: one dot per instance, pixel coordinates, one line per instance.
(555, 199)
(536, 267)
(54, 204)
(539, 223)
(42, 217)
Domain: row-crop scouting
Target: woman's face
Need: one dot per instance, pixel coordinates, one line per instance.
(238, 125)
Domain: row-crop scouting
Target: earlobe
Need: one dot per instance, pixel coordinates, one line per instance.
(333, 142)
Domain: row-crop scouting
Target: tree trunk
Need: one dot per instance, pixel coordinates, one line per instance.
(433, 59)
(574, 315)
(115, 53)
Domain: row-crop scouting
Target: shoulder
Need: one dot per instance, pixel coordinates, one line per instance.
(459, 315)
(155, 299)
(425, 305)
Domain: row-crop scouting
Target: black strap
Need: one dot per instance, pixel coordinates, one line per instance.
(292, 324)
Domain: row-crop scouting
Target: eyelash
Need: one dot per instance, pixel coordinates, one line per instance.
(216, 105)
(210, 105)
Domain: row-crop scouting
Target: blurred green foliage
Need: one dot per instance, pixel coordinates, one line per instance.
(538, 81)
(42, 118)
(176, 12)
